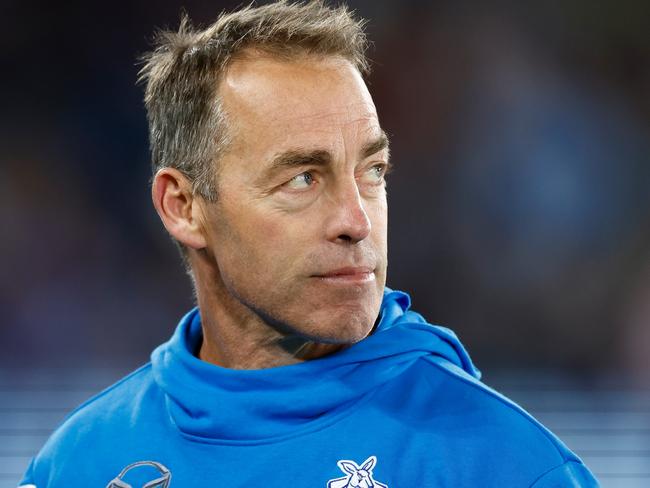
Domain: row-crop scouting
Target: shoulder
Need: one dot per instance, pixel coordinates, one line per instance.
(95, 424)
(509, 422)
(112, 403)
(475, 429)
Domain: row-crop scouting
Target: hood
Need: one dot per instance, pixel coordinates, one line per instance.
(243, 406)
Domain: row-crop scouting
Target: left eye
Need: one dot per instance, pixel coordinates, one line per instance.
(301, 181)
(377, 172)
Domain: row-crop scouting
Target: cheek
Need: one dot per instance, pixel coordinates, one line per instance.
(268, 228)
(263, 242)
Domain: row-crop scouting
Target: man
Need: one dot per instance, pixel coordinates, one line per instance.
(298, 368)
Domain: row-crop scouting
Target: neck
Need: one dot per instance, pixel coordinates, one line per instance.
(260, 356)
(236, 337)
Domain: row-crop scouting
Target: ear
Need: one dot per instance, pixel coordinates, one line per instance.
(369, 464)
(348, 466)
(177, 207)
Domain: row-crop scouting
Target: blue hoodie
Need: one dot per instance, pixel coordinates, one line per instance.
(404, 407)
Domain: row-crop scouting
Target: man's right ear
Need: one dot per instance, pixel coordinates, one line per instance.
(174, 200)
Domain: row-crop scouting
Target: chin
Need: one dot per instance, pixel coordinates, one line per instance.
(342, 328)
(348, 321)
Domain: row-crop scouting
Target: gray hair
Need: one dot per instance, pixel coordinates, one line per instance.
(188, 128)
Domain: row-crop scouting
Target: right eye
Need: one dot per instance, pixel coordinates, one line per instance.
(301, 181)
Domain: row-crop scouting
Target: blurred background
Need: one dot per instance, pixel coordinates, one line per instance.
(519, 205)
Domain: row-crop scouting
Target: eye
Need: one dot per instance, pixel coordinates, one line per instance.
(375, 174)
(301, 181)
(378, 171)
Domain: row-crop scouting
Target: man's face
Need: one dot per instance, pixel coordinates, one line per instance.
(298, 232)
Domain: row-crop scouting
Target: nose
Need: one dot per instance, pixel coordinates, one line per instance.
(349, 221)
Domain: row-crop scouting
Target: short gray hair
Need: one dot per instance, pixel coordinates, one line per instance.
(188, 128)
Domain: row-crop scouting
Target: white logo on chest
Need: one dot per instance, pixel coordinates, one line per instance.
(357, 476)
(161, 480)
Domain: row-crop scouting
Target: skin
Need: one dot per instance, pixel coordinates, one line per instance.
(290, 261)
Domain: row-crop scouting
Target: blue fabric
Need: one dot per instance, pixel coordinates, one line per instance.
(404, 407)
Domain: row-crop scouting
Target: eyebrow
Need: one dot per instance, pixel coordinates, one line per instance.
(321, 157)
(376, 145)
(293, 158)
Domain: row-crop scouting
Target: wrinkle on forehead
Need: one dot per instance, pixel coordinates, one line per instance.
(325, 131)
(362, 112)
(294, 111)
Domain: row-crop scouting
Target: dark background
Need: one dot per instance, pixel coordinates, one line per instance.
(519, 207)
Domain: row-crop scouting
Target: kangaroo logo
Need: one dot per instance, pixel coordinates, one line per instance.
(356, 476)
(161, 481)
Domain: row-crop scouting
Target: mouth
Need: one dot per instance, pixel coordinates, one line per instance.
(348, 276)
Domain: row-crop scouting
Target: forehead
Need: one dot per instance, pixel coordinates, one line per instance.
(271, 101)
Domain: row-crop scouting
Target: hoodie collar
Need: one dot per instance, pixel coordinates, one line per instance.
(243, 406)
